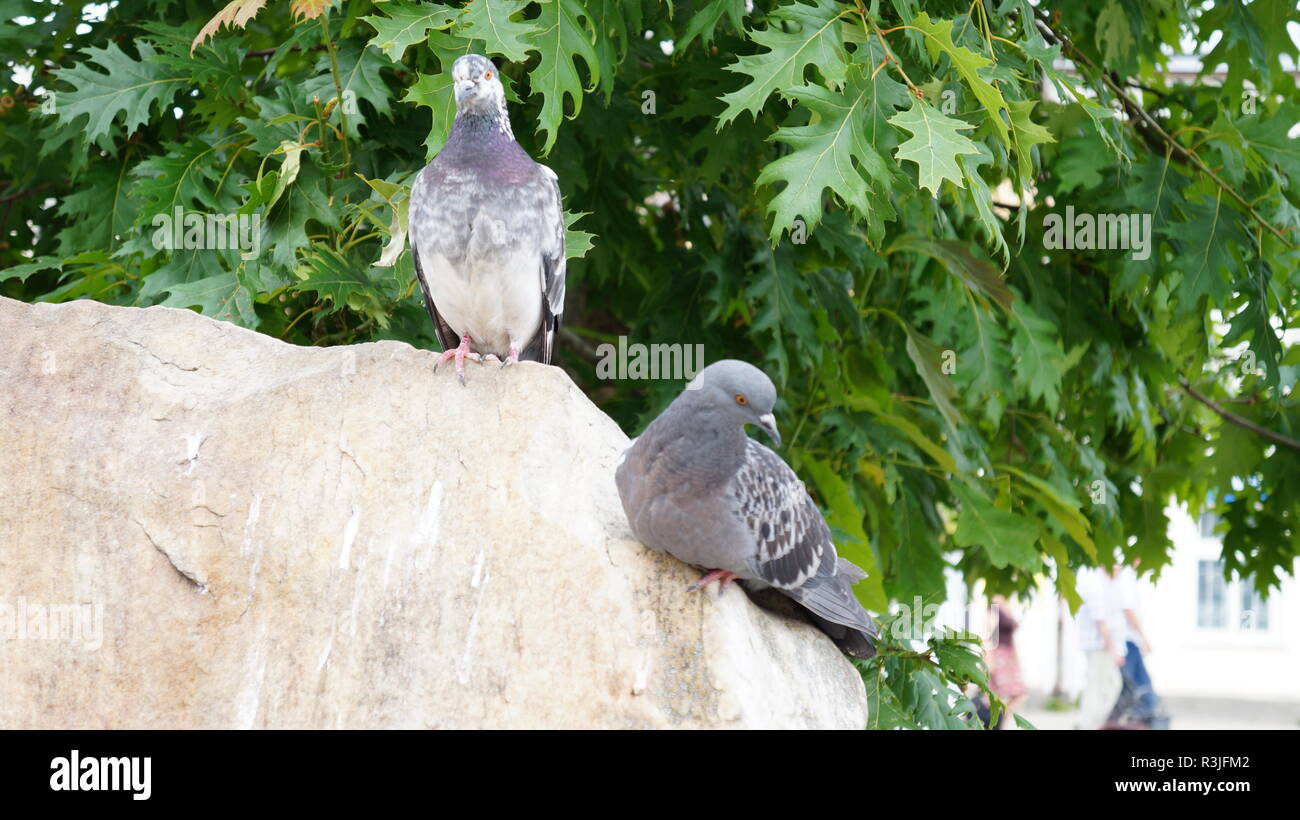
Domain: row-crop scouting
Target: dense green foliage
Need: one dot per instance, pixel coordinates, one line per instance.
(851, 194)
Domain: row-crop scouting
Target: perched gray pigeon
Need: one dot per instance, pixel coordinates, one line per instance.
(695, 486)
(487, 233)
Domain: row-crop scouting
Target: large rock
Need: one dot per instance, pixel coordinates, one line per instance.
(281, 536)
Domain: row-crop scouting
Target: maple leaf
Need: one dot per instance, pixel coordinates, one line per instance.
(129, 87)
(1025, 134)
(1040, 361)
(309, 9)
(1205, 257)
(1006, 537)
(561, 38)
(407, 24)
(490, 21)
(833, 152)
(339, 279)
(222, 296)
(236, 14)
(934, 146)
(817, 40)
(967, 64)
(359, 77)
(434, 91)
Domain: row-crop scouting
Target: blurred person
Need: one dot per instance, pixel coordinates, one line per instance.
(1101, 632)
(1004, 666)
(1137, 704)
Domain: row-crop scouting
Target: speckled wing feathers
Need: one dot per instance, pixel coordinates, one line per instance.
(791, 537)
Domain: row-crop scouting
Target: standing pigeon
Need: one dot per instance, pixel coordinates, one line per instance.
(487, 233)
(696, 487)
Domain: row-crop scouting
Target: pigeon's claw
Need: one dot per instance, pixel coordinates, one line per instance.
(720, 575)
(512, 358)
(459, 353)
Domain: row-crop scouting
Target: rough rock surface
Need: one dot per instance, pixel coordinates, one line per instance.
(278, 536)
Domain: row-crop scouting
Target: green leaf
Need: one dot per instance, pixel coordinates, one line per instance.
(287, 221)
(101, 212)
(1025, 134)
(341, 280)
(934, 145)
(1113, 36)
(127, 89)
(977, 274)
(561, 37)
(927, 356)
(576, 243)
(1006, 537)
(959, 663)
(186, 176)
(705, 21)
(360, 80)
(221, 296)
(967, 64)
(1205, 235)
(982, 199)
(435, 92)
(845, 516)
(835, 151)
(1065, 579)
(492, 21)
(406, 24)
(1040, 362)
(797, 35)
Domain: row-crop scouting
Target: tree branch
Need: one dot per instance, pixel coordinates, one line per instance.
(1145, 124)
(1247, 424)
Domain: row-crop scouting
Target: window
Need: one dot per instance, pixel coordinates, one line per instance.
(1208, 522)
(1211, 595)
(1215, 596)
(1254, 609)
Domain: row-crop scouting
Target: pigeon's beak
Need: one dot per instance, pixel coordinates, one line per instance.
(463, 89)
(768, 422)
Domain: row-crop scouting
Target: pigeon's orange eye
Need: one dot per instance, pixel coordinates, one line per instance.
(741, 399)
(487, 76)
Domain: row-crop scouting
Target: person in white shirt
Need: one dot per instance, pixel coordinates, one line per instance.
(1137, 701)
(1101, 634)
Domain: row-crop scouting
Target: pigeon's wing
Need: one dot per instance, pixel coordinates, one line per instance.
(418, 226)
(446, 336)
(553, 262)
(792, 539)
(795, 552)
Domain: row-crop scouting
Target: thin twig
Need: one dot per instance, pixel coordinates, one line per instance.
(1135, 110)
(1244, 423)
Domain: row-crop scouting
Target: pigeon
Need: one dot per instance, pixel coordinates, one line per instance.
(487, 233)
(695, 486)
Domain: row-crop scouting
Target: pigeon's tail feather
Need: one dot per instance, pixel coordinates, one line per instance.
(852, 642)
(837, 612)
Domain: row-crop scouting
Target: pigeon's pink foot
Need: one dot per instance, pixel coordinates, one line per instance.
(460, 354)
(512, 358)
(721, 575)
